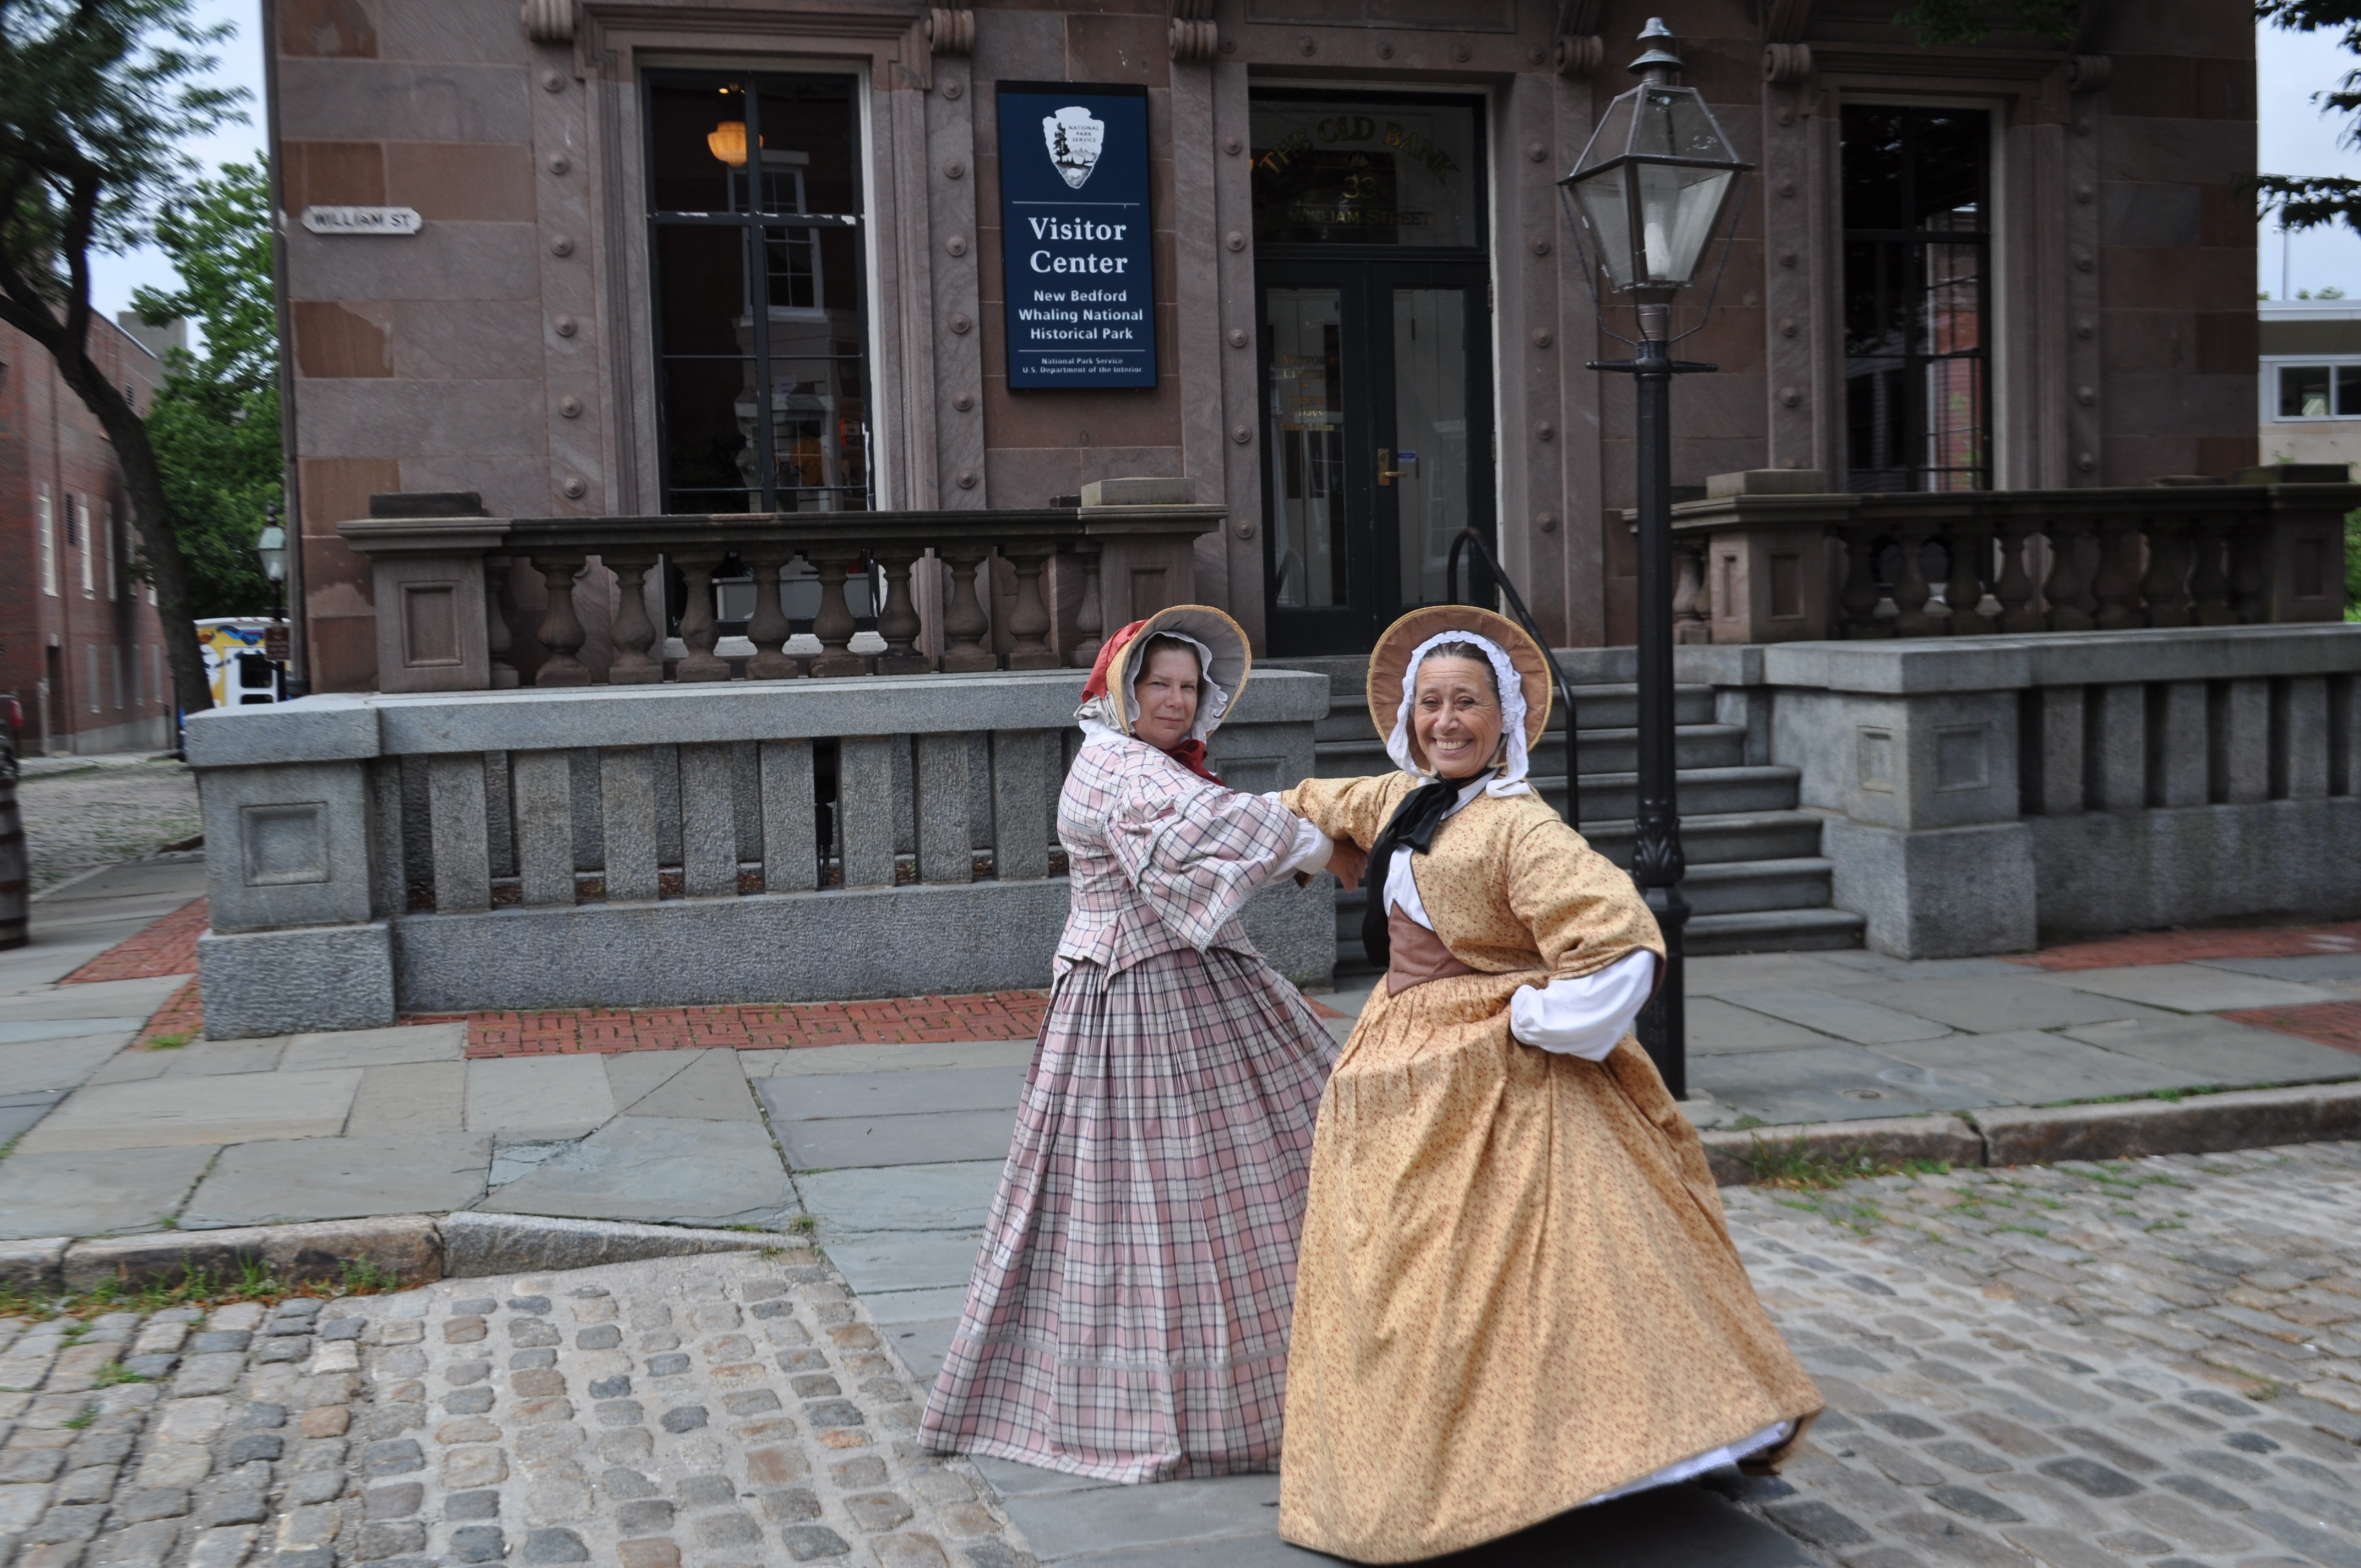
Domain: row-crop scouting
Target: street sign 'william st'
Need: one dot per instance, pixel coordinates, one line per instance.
(1076, 240)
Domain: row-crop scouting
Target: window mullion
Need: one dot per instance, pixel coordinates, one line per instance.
(758, 296)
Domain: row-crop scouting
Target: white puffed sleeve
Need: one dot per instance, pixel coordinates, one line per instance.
(1311, 850)
(1586, 1015)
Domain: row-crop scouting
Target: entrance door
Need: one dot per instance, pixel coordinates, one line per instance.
(1375, 359)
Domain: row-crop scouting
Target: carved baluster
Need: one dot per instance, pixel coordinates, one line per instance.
(633, 632)
(496, 622)
(767, 628)
(1963, 591)
(2063, 588)
(1860, 594)
(2118, 583)
(561, 631)
(1029, 617)
(2209, 581)
(897, 619)
(1089, 624)
(2014, 589)
(2166, 586)
(1911, 589)
(698, 631)
(1688, 582)
(963, 621)
(833, 624)
(2247, 593)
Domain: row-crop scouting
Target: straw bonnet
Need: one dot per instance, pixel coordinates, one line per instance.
(1117, 667)
(1390, 658)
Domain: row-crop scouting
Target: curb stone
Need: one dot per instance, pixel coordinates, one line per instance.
(407, 1244)
(475, 1245)
(34, 1264)
(1886, 1139)
(2204, 1124)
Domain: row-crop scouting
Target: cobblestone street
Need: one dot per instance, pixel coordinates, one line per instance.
(96, 816)
(2155, 1361)
(2085, 1366)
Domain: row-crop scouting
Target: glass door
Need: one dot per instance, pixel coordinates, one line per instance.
(1378, 442)
(1373, 282)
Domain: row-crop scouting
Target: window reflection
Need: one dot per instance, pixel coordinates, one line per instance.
(1916, 257)
(1306, 412)
(760, 319)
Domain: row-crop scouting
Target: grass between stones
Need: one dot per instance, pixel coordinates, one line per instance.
(199, 1286)
(1800, 1165)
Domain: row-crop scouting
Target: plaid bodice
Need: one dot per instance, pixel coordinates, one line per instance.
(1159, 857)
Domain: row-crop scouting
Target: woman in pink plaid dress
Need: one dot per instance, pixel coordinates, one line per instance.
(1128, 1315)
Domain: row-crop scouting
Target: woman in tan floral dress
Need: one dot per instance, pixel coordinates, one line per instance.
(1516, 1293)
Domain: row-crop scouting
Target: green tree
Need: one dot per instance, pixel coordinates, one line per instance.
(2318, 201)
(215, 424)
(95, 98)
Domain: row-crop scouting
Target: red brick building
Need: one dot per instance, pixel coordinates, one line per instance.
(81, 645)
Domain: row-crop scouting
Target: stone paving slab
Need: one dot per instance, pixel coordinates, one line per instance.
(1829, 1083)
(2308, 968)
(665, 1169)
(2037, 1068)
(954, 1196)
(340, 1179)
(898, 1056)
(901, 1261)
(2215, 1050)
(868, 1095)
(56, 1064)
(2195, 988)
(561, 1096)
(134, 999)
(1716, 1027)
(197, 1110)
(940, 1137)
(1834, 1013)
(1993, 1005)
(375, 1048)
(92, 1194)
(17, 1031)
(20, 1111)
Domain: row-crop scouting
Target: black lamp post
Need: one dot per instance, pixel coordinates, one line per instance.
(1649, 191)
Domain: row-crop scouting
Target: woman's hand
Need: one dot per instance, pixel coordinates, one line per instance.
(1347, 862)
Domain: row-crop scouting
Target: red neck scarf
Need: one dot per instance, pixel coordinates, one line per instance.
(1189, 753)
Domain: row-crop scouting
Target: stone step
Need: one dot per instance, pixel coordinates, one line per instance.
(1715, 840)
(1774, 931)
(1746, 887)
(1703, 792)
(1601, 751)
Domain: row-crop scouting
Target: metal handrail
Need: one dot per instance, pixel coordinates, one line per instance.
(1573, 811)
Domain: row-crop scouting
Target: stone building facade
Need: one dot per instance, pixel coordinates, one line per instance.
(2020, 264)
(82, 647)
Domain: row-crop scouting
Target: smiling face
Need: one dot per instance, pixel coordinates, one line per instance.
(1167, 694)
(1455, 715)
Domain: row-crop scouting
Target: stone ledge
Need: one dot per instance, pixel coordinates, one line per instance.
(407, 1244)
(1921, 666)
(34, 1264)
(476, 1245)
(1889, 1140)
(2205, 1123)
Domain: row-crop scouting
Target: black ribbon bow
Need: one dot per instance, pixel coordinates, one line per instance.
(1414, 823)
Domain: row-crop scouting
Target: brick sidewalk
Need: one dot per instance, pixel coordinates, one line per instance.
(168, 947)
(2186, 946)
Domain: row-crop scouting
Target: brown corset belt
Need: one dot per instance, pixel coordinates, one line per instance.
(1418, 955)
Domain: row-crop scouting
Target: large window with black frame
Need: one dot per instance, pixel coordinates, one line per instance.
(1917, 257)
(759, 299)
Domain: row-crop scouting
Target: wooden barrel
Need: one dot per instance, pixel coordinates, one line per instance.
(16, 872)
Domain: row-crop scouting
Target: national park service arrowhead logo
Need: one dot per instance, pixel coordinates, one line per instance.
(1075, 138)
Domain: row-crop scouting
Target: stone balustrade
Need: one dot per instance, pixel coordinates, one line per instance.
(1984, 793)
(1772, 557)
(960, 592)
(668, 844)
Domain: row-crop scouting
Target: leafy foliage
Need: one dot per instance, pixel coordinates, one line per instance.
(1939, 23)
(97, 97)
(2318, 201)
(215, 422)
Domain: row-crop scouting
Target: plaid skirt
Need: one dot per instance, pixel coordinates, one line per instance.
(1128, 1315)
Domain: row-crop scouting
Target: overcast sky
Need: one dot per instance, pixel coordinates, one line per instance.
(2295, 139)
